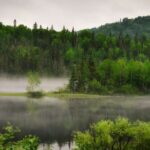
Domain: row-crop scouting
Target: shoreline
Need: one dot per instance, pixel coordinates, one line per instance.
(69, 95)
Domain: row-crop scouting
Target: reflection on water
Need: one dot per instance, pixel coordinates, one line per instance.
(54, 120)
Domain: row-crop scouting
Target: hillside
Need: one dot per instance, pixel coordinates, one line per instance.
(139, 25)
(96, 62)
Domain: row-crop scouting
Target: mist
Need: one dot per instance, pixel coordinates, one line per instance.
(19, 83)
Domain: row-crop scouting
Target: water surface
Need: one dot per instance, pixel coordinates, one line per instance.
(54, 120)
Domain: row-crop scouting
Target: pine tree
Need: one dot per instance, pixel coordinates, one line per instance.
(74, 79)
(35, 26)
(15, 23)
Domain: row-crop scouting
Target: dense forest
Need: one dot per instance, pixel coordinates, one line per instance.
(43, 50)
(97, 62)
(139, 25)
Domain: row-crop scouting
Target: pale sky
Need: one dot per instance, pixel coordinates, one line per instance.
(78, 13)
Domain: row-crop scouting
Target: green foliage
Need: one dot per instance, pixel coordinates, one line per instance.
(70, 55)
(8, 140)
(35, 94)
(74, 79)
(121, 76)
(128, 89)
(33, 81)
(29, 143)
(139, 25)
(117, 56)
(120, 134)
(33, 85)
(95, 86)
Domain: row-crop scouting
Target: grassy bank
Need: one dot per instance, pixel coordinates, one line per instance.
(73, 95)
(13, 94)
(55, 94)
(64, 95)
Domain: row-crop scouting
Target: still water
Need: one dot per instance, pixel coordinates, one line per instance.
(55, 120)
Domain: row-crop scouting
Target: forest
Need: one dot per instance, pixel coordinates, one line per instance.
(95, 61)
(139, 25)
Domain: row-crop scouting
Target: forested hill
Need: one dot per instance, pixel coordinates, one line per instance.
(95, 61)
(139, 25)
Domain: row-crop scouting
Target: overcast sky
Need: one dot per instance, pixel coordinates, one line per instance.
(78, 13)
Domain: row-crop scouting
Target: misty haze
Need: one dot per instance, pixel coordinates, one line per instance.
(74, 75)
(19, 84)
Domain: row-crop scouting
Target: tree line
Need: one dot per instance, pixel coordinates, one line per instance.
(96, 62)
(139, 25)
(111, 64)
(43, 50)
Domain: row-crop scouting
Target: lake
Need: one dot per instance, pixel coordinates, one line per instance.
(55, 120)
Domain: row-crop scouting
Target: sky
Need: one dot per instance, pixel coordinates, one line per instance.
(80, 14)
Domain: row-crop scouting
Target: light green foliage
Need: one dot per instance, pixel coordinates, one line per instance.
(100, 132)
(123, 76)
(118, 135)
(95, 86)
(8, 141)
(142, 136)
(33, 88)
(33, 82)
(83, 140)
(70, 54)
(29, 143)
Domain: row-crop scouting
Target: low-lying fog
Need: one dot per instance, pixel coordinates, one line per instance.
(19, 84)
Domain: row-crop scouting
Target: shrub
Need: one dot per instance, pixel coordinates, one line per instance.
(8, 142)
(128, 89)
(115, 135)
(33, 89)
(94, 86)
(36, 94)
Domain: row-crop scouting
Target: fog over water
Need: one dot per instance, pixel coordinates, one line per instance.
(19, 84)
(55, 120)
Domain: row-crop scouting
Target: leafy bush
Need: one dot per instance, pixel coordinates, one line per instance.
(118, 135)
(33, 89)
(36, 94)
(8, 142)
(33, 81)
(95, 86)
(128, 89)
